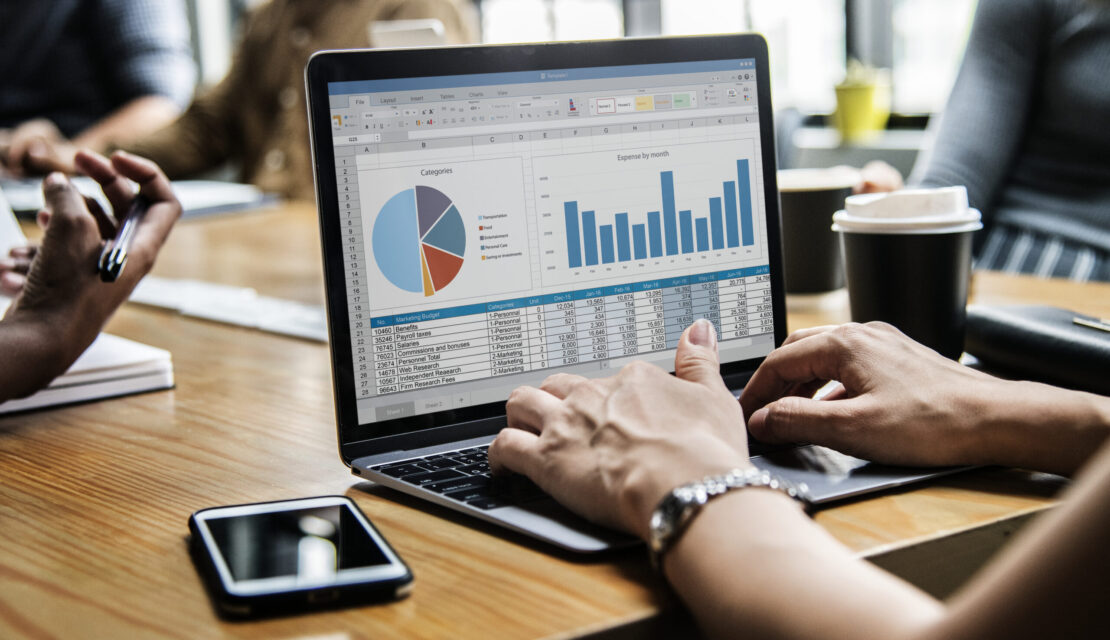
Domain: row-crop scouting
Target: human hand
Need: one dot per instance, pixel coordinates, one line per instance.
(878, 177)
(62, 290)
(898, 402)
(37, 147)
(611, 448)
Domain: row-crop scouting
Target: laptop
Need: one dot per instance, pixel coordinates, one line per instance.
(492, 215)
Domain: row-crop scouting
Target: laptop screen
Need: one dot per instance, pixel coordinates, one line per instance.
(500, 227)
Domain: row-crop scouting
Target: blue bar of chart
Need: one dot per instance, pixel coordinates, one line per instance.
(606, 243)
(668, 232)
(589, 233)
(686, 223)
(639, 242)
(574, 252)
(624, 253)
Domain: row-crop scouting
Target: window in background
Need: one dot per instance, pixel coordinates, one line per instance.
(540, 20)
(929, 41)
(805, 38)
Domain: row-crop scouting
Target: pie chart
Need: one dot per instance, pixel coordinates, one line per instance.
(419, 240)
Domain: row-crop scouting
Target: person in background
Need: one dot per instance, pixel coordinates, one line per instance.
(62, 305)
(750, 563)
(87, 74)
(255, 117)
(1025, 131)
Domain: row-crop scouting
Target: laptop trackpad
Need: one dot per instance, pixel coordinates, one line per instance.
(558, 524)
(831, 474)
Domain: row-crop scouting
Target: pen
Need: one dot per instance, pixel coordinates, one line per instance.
(114, 255)
(1101, 325)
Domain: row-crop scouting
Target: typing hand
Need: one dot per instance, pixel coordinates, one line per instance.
(899, 402)
(611, 448)
(62, 290)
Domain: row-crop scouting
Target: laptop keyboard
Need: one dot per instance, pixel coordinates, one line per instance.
(464, 476)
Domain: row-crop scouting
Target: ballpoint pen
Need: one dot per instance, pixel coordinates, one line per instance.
(113, 257)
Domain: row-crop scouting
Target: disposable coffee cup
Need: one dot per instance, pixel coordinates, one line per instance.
(811, 250)
(907, 257)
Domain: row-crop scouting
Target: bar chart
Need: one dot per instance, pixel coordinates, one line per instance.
(668, 231)
(650, 210)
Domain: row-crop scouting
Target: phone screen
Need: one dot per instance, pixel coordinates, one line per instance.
(304, 545)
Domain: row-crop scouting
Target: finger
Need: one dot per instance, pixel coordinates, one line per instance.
(696, 358)
(65, 204)
(817, 358)
(17, 264)
(11, 283)
(561, 385)
(104, 222)
(155, 187)
(116, 187)
(802, 334)
(796, 419)
(527, 407)
(516, 451)
(26, 251)
(153, 184)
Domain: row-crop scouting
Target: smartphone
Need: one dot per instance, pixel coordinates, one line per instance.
(295, 555)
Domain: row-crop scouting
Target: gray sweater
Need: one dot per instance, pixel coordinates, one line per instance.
(1027, 127)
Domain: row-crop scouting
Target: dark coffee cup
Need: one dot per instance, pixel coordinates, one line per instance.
(811, 251)
(911, 271)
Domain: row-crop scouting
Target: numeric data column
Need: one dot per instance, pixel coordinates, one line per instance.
(592, 329)
(707, 304)
(354, 259)
(678, 310)
(759, 309)
(620, 311)
(385, 364)
(560, 320)
(537, 335)
(651, 330)
(733, 297)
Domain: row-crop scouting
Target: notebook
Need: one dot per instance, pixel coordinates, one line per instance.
(111, 366)
(493, 215)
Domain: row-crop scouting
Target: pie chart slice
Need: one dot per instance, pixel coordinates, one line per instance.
(419, 240)
(442, 266)
(396, 242)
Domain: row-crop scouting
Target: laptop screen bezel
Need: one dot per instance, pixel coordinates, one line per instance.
(356, 440)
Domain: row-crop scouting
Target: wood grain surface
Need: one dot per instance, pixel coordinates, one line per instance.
(94, 498)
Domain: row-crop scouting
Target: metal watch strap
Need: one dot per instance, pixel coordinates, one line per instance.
(675, 511)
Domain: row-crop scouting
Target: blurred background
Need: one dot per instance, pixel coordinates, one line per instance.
(917, 45)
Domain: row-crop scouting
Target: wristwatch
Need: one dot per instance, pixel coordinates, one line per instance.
(678, 508)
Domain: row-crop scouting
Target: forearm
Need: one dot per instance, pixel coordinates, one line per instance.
(132, 120)
(31, 358)
(1036, 426)
(753, 564)
(205, 136)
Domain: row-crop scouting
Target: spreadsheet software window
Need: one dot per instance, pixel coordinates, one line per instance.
(498, 228)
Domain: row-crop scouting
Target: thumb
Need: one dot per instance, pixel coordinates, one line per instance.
(696, 359)
(70, 226)
(63, 203)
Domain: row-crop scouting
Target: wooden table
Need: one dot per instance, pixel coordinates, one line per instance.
(94, 498)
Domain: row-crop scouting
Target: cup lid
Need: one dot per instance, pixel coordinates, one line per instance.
(818, 179)
(943, 210)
